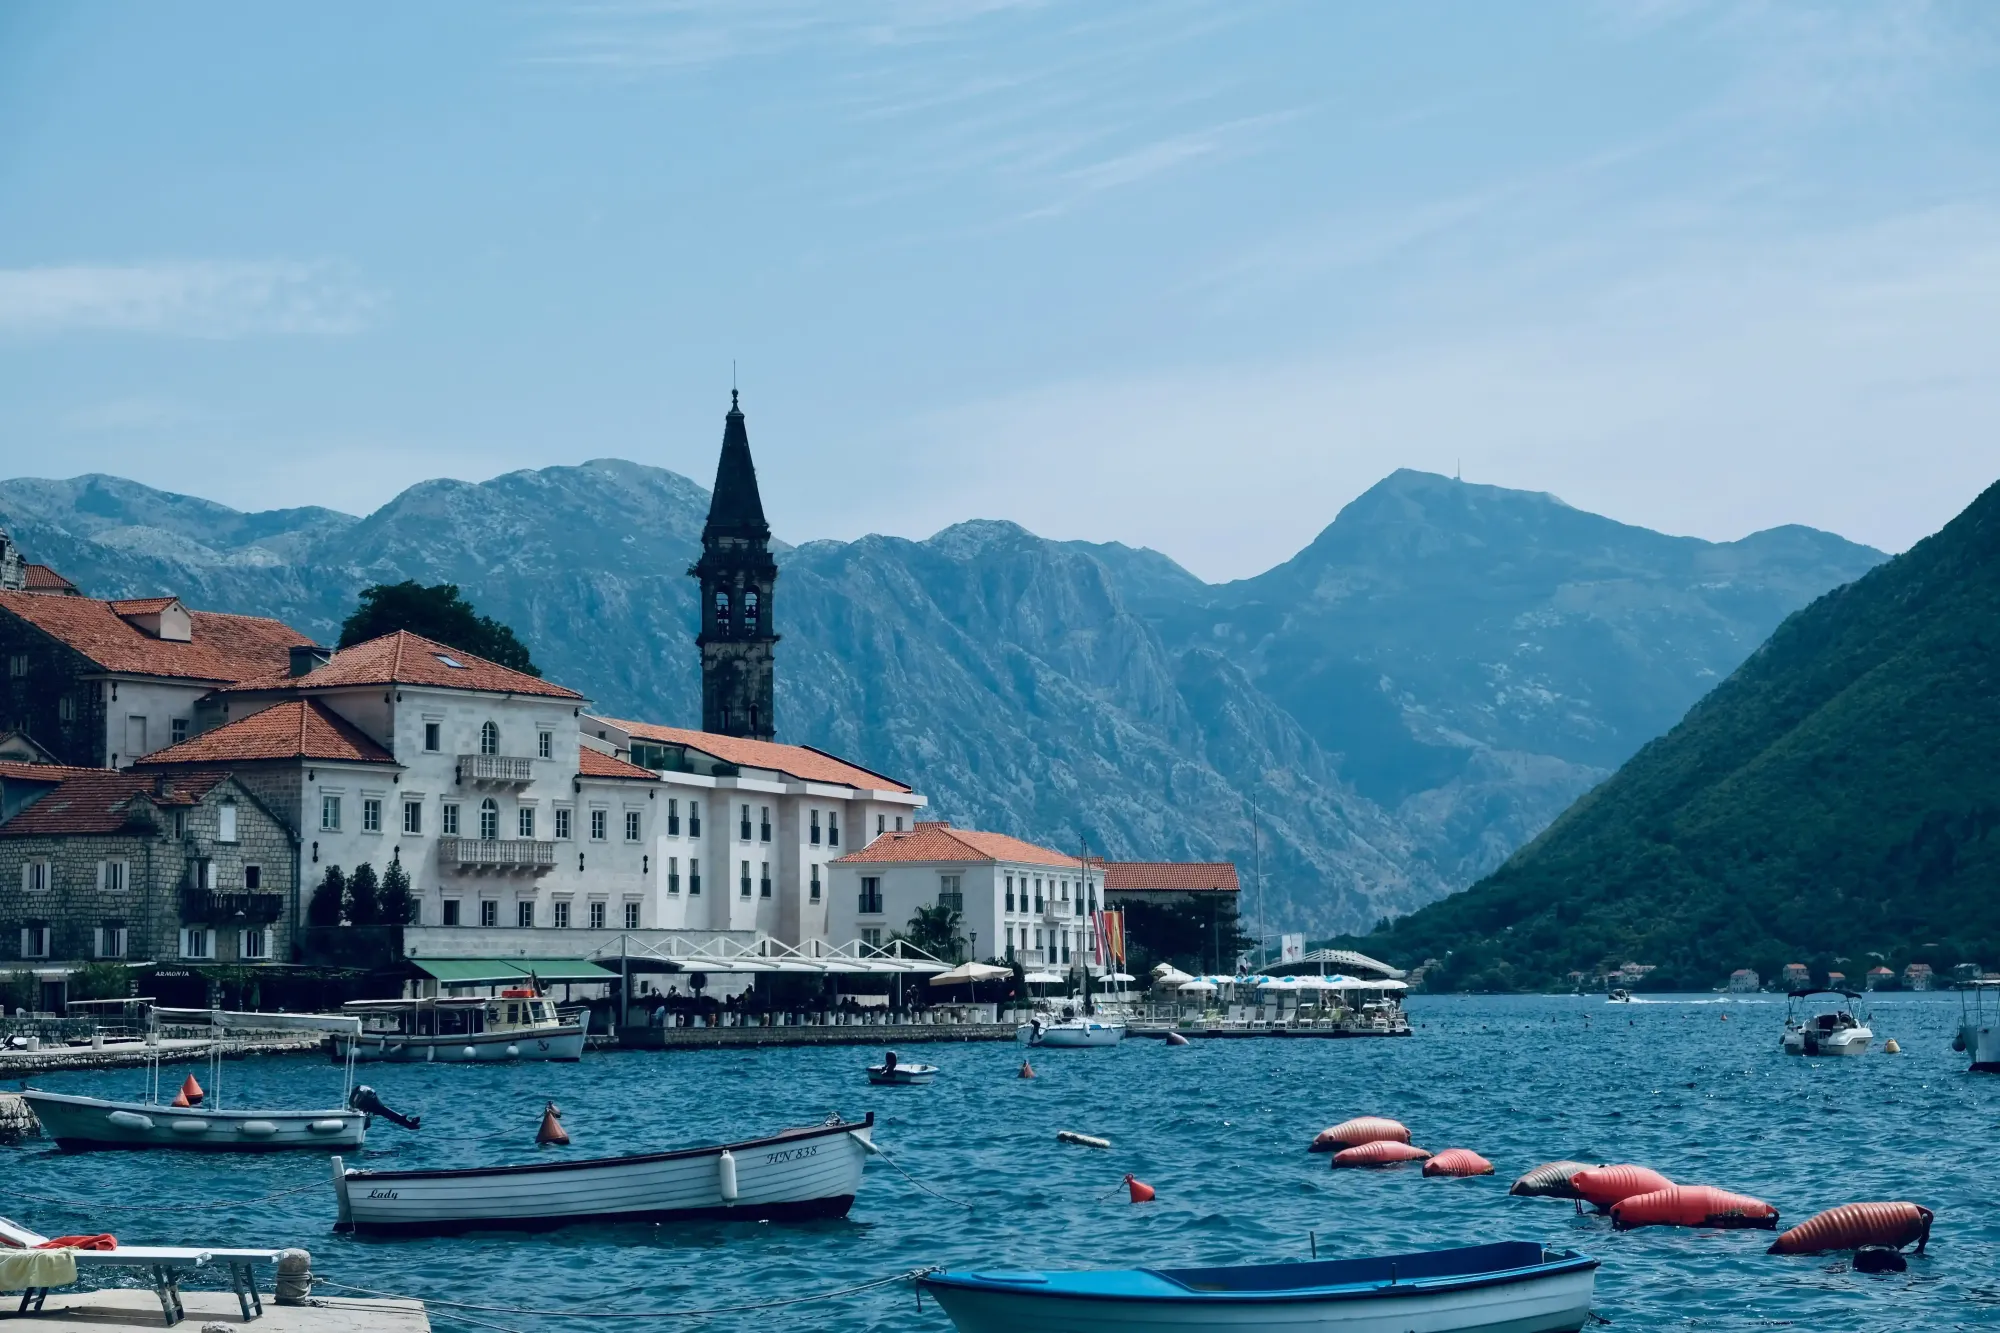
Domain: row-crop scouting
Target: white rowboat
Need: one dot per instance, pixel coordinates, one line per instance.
(1070, 1032)
(94, 1122)
(799, 1173)
(901, 1075)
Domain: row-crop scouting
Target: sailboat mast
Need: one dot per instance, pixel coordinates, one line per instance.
(1257, 868)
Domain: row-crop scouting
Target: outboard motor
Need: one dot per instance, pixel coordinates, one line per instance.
(364, 1100)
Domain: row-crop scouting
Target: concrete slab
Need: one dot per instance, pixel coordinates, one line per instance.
(97, 1311)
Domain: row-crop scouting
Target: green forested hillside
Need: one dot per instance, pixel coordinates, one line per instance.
(1835, 800)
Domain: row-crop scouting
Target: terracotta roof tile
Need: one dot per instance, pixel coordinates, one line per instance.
(404, 658)
(224, 648)
(1210, 876)
(141, 606)
(939, 841)
(99, 802)
(295, 729)
(597, 764)
(798, 761)
(42, 579)
(15, 768)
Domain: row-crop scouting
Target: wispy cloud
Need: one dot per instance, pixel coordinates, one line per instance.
(186, 298)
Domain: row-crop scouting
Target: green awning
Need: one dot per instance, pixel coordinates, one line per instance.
(564, 969)
(507, 971)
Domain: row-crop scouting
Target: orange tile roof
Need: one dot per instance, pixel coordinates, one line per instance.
(939, 841)
(404, 658)
(141, 606)
(295, 729)
(224, 648)
(799, 761)
(43, 579)
(1207, 876)
(597, 764)
(15, 768)
(97, 801)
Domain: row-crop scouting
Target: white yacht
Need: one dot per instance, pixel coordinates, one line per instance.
(1828, 1028)
(1071, 1032)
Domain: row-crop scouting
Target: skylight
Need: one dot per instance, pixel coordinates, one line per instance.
(451, 662)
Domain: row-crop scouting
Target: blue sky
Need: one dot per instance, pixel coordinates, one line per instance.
(1188, 275)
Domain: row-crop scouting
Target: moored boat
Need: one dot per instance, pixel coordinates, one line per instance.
(1509, 1287)
(795, 1174)
(1979, 1025)
(895, 1073)
(517, 1024)
(1070, 1032)
(1827, 1029)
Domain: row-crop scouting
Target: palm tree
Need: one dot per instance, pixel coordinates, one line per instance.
(935, 931)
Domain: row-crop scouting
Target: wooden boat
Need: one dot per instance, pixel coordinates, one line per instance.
(514, 1025)
(799, 1173)
(1510, 1287)
(901, 1075)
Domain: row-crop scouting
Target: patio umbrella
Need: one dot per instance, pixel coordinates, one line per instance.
(1193, 987)
(1044, 978)
(1119, 976)
(1166, 974)
(965, 972)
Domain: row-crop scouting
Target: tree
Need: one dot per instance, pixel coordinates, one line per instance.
(397, 907)
(100, 981)
(364, 901)
(438, 613)
(328, 900)
(935, 931)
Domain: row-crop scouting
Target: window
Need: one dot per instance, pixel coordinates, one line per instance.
(743, 826)
(433, 737)
(745, 891)
(1010, 893)
(489, 912)
(181, 823)
(135, 735)
(673, 874)
(833, 828)
(489, 739)
(899, 823)
(951, 894)
(562, 916)
(111, 940)
(562, 822)
(673, 817)
(871, 894)
(524, 821)
(694, 819)
(197, 942)
(37, 876)
(881, 825)
(694, 876)
(17, 665)
(597, 824)
(371, 814)
(329, 812)
(413, 817)
(1038, 894)
(813, 836)
(451, 819)
(253, 878)
(451, 911)
(253, 944)
(631, 826)
(1093, 895)
(597, 916)
(489, 819)
(750, 612)
(545, 745)
(180, 730)
(66, 708)
(764, 823)
(524, 914)
(114, 876)
(631, 916)
(815, 882)
(35, 941)
(722, 611)
(764, 879)
(871, 936)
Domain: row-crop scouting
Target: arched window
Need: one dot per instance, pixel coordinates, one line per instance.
(750, 601)
(722, 611)
(489, 817)
(489, 739)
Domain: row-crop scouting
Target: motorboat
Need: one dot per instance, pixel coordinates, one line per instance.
(1828, 1027)
(895, 1073)
(795, 1174)
(1618, 995)
(1979, 1024)
(201, 1122)
(1083, 1031)
(1516, 1286)
(517, 1024)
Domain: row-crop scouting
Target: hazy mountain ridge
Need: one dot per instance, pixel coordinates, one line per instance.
(1407, 701)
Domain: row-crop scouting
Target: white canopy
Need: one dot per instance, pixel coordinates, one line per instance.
(965, 972)
(1119, 976)
(1166, 974)
(1191, 987)
(1044, 978)
(228, 1021)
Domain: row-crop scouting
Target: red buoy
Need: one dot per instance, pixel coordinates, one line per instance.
(1854, 1225)
(190, 1093)
(551, 1130)
(1027, 1070)
(1551, 1180)
(1382, 1152)
(1362, 1129)
(1692, 1206)
(1140, 1190)
(1458, 1162)
(1606, 1185)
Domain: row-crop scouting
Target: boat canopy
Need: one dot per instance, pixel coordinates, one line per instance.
(228, 1021)
(1822, 990)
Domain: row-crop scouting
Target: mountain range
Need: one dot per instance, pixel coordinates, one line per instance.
(1395, 710)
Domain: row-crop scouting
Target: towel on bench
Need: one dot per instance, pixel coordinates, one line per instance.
(22, 1269)
(101, 1241)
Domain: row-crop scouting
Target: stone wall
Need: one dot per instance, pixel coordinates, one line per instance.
(32, 700)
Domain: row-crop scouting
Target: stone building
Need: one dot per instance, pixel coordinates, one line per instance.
(737, 573)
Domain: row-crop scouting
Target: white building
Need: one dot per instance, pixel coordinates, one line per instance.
(1015, 900)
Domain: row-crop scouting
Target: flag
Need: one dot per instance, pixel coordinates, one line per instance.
(1110, 938)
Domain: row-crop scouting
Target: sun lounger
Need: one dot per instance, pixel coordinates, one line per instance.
(166, 1264)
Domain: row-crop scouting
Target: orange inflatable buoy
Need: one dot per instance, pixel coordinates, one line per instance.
(1692, 1206)
(551, 1130)
(1551, 1180)
(1458, 1162)
(1382, 1152)
(190, 1093)
(1140, 1190)
(1606, 1185)
(1855, 1225)
(1362, 1129)
(1027, 1070)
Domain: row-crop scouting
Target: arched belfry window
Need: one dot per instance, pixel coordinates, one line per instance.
(489, 818)
(489, 739)
(750, 601)
(722, 610)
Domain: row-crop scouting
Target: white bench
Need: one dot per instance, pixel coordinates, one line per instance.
(166, 1264)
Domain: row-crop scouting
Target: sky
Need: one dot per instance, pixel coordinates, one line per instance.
(1187, 275)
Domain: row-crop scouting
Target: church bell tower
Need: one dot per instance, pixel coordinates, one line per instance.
(736, 573)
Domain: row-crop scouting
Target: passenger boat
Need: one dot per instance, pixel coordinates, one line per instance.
(1828, 1029)
(152, 1121)
(1071, 1032)
(1513, 1286)
(894, 1073)
(514, 1025)
(795, 1174)
(1979, 1024)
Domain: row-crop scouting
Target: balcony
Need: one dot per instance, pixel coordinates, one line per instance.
(497, 854)
(210, 907)
(500, 770)
(871, 903)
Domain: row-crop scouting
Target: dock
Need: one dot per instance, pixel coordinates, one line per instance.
(98, 1311)
(638, 1038)
(16, 1061)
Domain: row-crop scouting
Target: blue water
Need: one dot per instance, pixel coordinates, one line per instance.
(1218, 1127)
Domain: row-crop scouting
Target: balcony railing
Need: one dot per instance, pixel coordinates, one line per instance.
(498, 768)
(209, 906)
(871, 903)
(497, 853)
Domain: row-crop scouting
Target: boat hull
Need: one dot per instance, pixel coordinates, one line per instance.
(1851, 1041)
(1074, 1033)
(87, 1123)
(801, 1174)
(563, 1043)
(1982, 1043)
(903, 1076)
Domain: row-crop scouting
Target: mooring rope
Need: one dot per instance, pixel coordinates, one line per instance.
(898, 1166)
(572, 1313)
(81, 1206)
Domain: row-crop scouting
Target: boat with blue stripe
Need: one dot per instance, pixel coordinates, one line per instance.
(1508, 1287)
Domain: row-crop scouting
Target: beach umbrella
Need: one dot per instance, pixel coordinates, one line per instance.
(1166, 974)
(965, 972)
(1196, 986)
(1119, 976)
(1044, 978)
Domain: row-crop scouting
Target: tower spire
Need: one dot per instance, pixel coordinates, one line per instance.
(737, 574)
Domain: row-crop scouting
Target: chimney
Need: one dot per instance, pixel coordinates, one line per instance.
(308, 657)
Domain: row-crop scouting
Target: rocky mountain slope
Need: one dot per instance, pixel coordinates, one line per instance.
(1405, 702)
